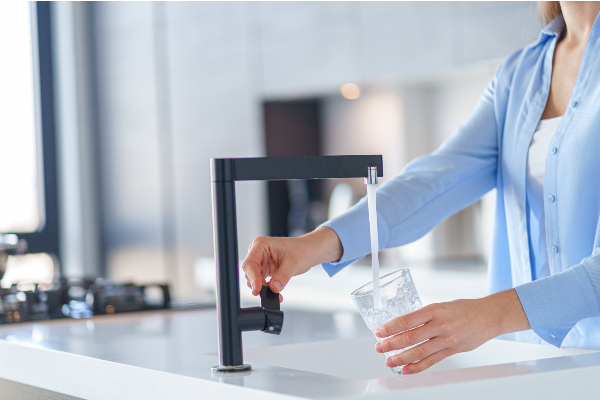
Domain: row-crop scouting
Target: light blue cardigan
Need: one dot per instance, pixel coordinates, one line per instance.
(490, 151)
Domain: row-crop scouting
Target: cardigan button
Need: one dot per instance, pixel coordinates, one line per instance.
(554, 150)
(555, 249)
(573, 104)
(551, 198)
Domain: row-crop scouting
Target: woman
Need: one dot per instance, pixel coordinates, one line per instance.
(534, 136)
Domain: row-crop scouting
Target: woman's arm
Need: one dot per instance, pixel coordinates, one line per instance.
(430, 188)
(555, 304)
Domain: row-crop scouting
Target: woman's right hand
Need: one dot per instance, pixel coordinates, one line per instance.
(282, 258)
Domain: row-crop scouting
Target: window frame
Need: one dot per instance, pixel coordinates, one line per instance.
(46, 239)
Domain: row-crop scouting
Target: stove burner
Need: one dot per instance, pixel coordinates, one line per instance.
(78, 299)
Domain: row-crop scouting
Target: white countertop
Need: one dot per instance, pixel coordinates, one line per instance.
(168, 355)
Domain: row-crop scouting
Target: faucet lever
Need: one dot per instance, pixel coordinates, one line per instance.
(270, 304)
(269, 300)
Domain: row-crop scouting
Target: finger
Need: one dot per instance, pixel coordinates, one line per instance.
(405, 322)
(250, 286)
(268, 268)
(406, 339)
(417, 353)
(427, 362)
(252, 268)
(253, 278)
(280, 298)
(249, 281)
(281, 278)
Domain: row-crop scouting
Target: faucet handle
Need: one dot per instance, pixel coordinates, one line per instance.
(274, 316)
(268, 299)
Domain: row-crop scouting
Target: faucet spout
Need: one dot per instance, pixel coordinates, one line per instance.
(371, 178)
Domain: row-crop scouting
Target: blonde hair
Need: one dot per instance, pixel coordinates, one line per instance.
(548, 10)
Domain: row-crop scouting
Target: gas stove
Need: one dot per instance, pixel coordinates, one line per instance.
(80, 299)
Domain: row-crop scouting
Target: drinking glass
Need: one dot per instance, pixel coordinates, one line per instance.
(398, 297)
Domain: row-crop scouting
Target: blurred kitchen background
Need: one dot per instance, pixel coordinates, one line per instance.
(110, 112)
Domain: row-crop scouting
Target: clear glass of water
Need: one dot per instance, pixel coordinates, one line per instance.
(398, 297)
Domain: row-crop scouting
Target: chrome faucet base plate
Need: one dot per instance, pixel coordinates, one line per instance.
(231, 369)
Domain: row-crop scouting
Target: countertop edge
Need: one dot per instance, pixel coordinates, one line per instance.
(90, 378)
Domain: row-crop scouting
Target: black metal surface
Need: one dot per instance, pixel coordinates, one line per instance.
(221, 170)
(274, 322)
(269, 299)
(252, 319)
(224, 172)
(226, 259)
(286, 168)
(274, 318)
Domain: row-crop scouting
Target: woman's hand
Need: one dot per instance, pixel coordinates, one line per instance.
(283, 258)
(449, 328)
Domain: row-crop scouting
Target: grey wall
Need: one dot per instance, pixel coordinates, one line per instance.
(181, 82)
(314, 47)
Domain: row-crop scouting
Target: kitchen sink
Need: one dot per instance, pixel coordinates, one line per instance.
(356, 358)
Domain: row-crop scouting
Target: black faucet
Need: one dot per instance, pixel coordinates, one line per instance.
(234, 320)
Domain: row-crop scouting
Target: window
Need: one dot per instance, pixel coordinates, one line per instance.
(28, 195)
(21, 202)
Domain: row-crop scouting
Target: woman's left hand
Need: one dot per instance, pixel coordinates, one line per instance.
(449, 328)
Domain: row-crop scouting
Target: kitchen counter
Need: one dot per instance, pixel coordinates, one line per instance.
(168, 354)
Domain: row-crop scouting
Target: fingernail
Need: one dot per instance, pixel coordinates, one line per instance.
(252, 288)
(379, 347)
(277, 285)
(406, 371)
(389, 362)
(377, 332)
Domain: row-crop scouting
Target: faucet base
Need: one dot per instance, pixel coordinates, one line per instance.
(231, 369)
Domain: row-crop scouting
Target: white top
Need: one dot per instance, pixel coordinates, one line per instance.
(536, 167)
